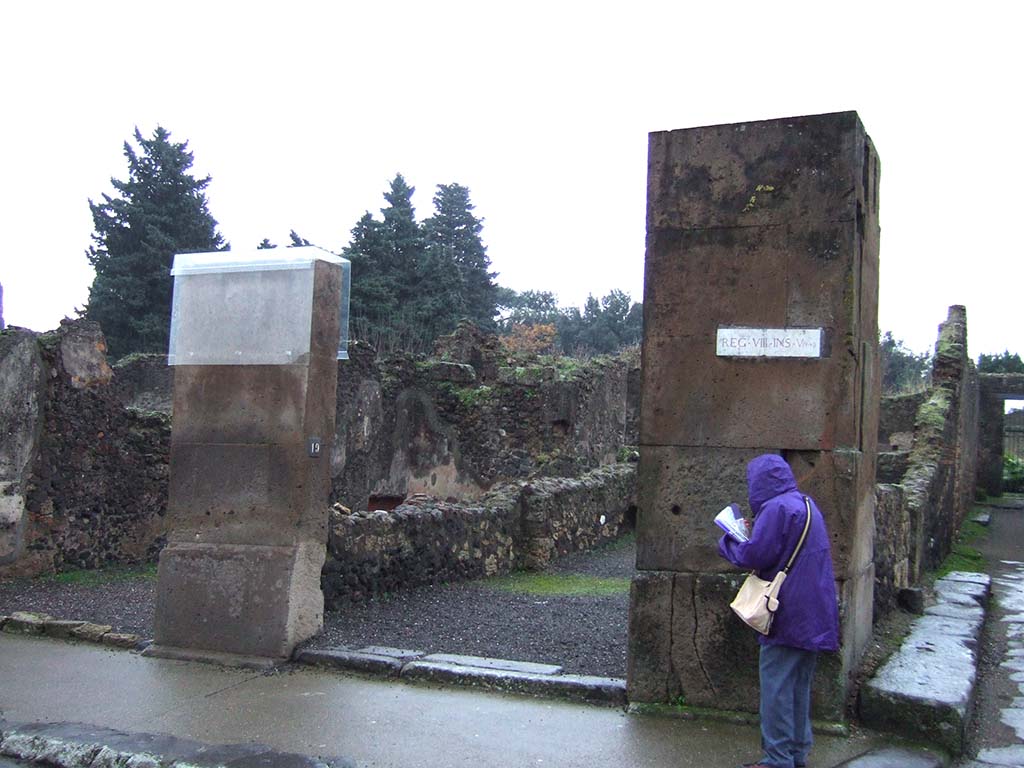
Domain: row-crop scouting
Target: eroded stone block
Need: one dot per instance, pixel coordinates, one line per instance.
(713, 652)
(649, 675)
(680, 490)
(249, 600)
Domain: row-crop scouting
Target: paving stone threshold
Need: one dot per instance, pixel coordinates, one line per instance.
(74, 745)
(926, 689)
(456, 669)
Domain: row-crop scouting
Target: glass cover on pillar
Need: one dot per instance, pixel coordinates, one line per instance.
(346, 290)
(247, 307)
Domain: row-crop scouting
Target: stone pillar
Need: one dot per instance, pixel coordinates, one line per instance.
(255, 350)
(760, 335)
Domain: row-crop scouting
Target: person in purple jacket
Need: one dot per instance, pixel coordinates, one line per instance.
(807, 620)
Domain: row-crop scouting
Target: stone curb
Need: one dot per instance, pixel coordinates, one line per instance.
(926, 689)
(450, 669)
(74, 745)
(453, 669)
(27, 623)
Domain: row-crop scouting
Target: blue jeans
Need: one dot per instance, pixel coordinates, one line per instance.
(786, 676)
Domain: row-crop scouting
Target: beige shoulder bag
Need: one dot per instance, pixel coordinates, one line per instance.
(758, 600)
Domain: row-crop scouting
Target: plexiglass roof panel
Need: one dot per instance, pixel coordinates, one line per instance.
(250, 260)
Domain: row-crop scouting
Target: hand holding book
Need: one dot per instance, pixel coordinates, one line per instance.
(731, 521)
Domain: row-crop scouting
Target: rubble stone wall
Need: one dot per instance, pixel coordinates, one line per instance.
(517, 525)
(84, 457)
(919, 511)
(93, 490)
(456, 425)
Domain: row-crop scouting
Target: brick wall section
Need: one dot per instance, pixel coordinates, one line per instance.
(518, 525)
(918, 517)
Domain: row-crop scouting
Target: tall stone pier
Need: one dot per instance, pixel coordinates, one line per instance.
(760, 335)
(254, 342)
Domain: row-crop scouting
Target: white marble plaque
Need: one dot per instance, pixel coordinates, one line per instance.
(769, 342)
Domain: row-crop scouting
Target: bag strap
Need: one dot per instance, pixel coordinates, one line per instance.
(803, 536)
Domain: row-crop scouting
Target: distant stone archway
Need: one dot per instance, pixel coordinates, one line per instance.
(996, 389)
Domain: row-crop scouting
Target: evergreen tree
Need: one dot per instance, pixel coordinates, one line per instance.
(902, 370)
(388, 296)
(265, 245)
(297, 242)
(374, 296)
(402, 242)
(457, 255)
(413, 282)
(160, 210)
(527, 307)
(603, 327)
(1004, 363)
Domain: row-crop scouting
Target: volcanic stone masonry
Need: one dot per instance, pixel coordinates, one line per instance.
(760, 335)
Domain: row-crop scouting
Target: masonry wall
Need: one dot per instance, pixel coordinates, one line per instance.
(469, 418)
(919, 512)
(84, 448)
(762, 225)
(524, 524)
(92, 488)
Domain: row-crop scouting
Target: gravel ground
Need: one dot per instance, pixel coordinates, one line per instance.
(584, 634)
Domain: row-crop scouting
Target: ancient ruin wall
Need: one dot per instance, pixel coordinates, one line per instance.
(918, 516)
(94, 489)
(523, 524)
(83, 480)
(455, 425)
(454, 428)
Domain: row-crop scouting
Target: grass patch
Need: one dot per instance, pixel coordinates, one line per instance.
(962, 556)
(100, 576)
(560, 584)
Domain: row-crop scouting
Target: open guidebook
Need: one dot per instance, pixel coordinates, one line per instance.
(731, 521)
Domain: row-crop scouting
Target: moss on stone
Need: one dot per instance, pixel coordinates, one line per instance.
(474, 397)
(933, 411)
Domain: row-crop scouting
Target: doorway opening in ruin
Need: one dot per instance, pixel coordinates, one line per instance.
(384, 503)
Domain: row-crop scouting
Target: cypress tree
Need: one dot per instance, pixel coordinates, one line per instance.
(457, 255)
(160, 210)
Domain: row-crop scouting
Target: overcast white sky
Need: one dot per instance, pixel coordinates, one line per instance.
(302, 112)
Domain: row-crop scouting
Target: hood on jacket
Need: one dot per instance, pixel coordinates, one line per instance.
(768, 476)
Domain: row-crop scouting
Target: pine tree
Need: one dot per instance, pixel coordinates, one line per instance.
(160, 210)
(402, 240)
(1004, 363)
(374, 297)
(456, 254)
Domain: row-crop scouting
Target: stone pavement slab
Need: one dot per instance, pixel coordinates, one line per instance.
(894, 757)
(926, 688)
(73, 745)
(528, 667)
(373, 723)
(1012, 755)
(355, 661)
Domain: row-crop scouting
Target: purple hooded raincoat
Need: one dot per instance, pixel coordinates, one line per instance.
(808, 616)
